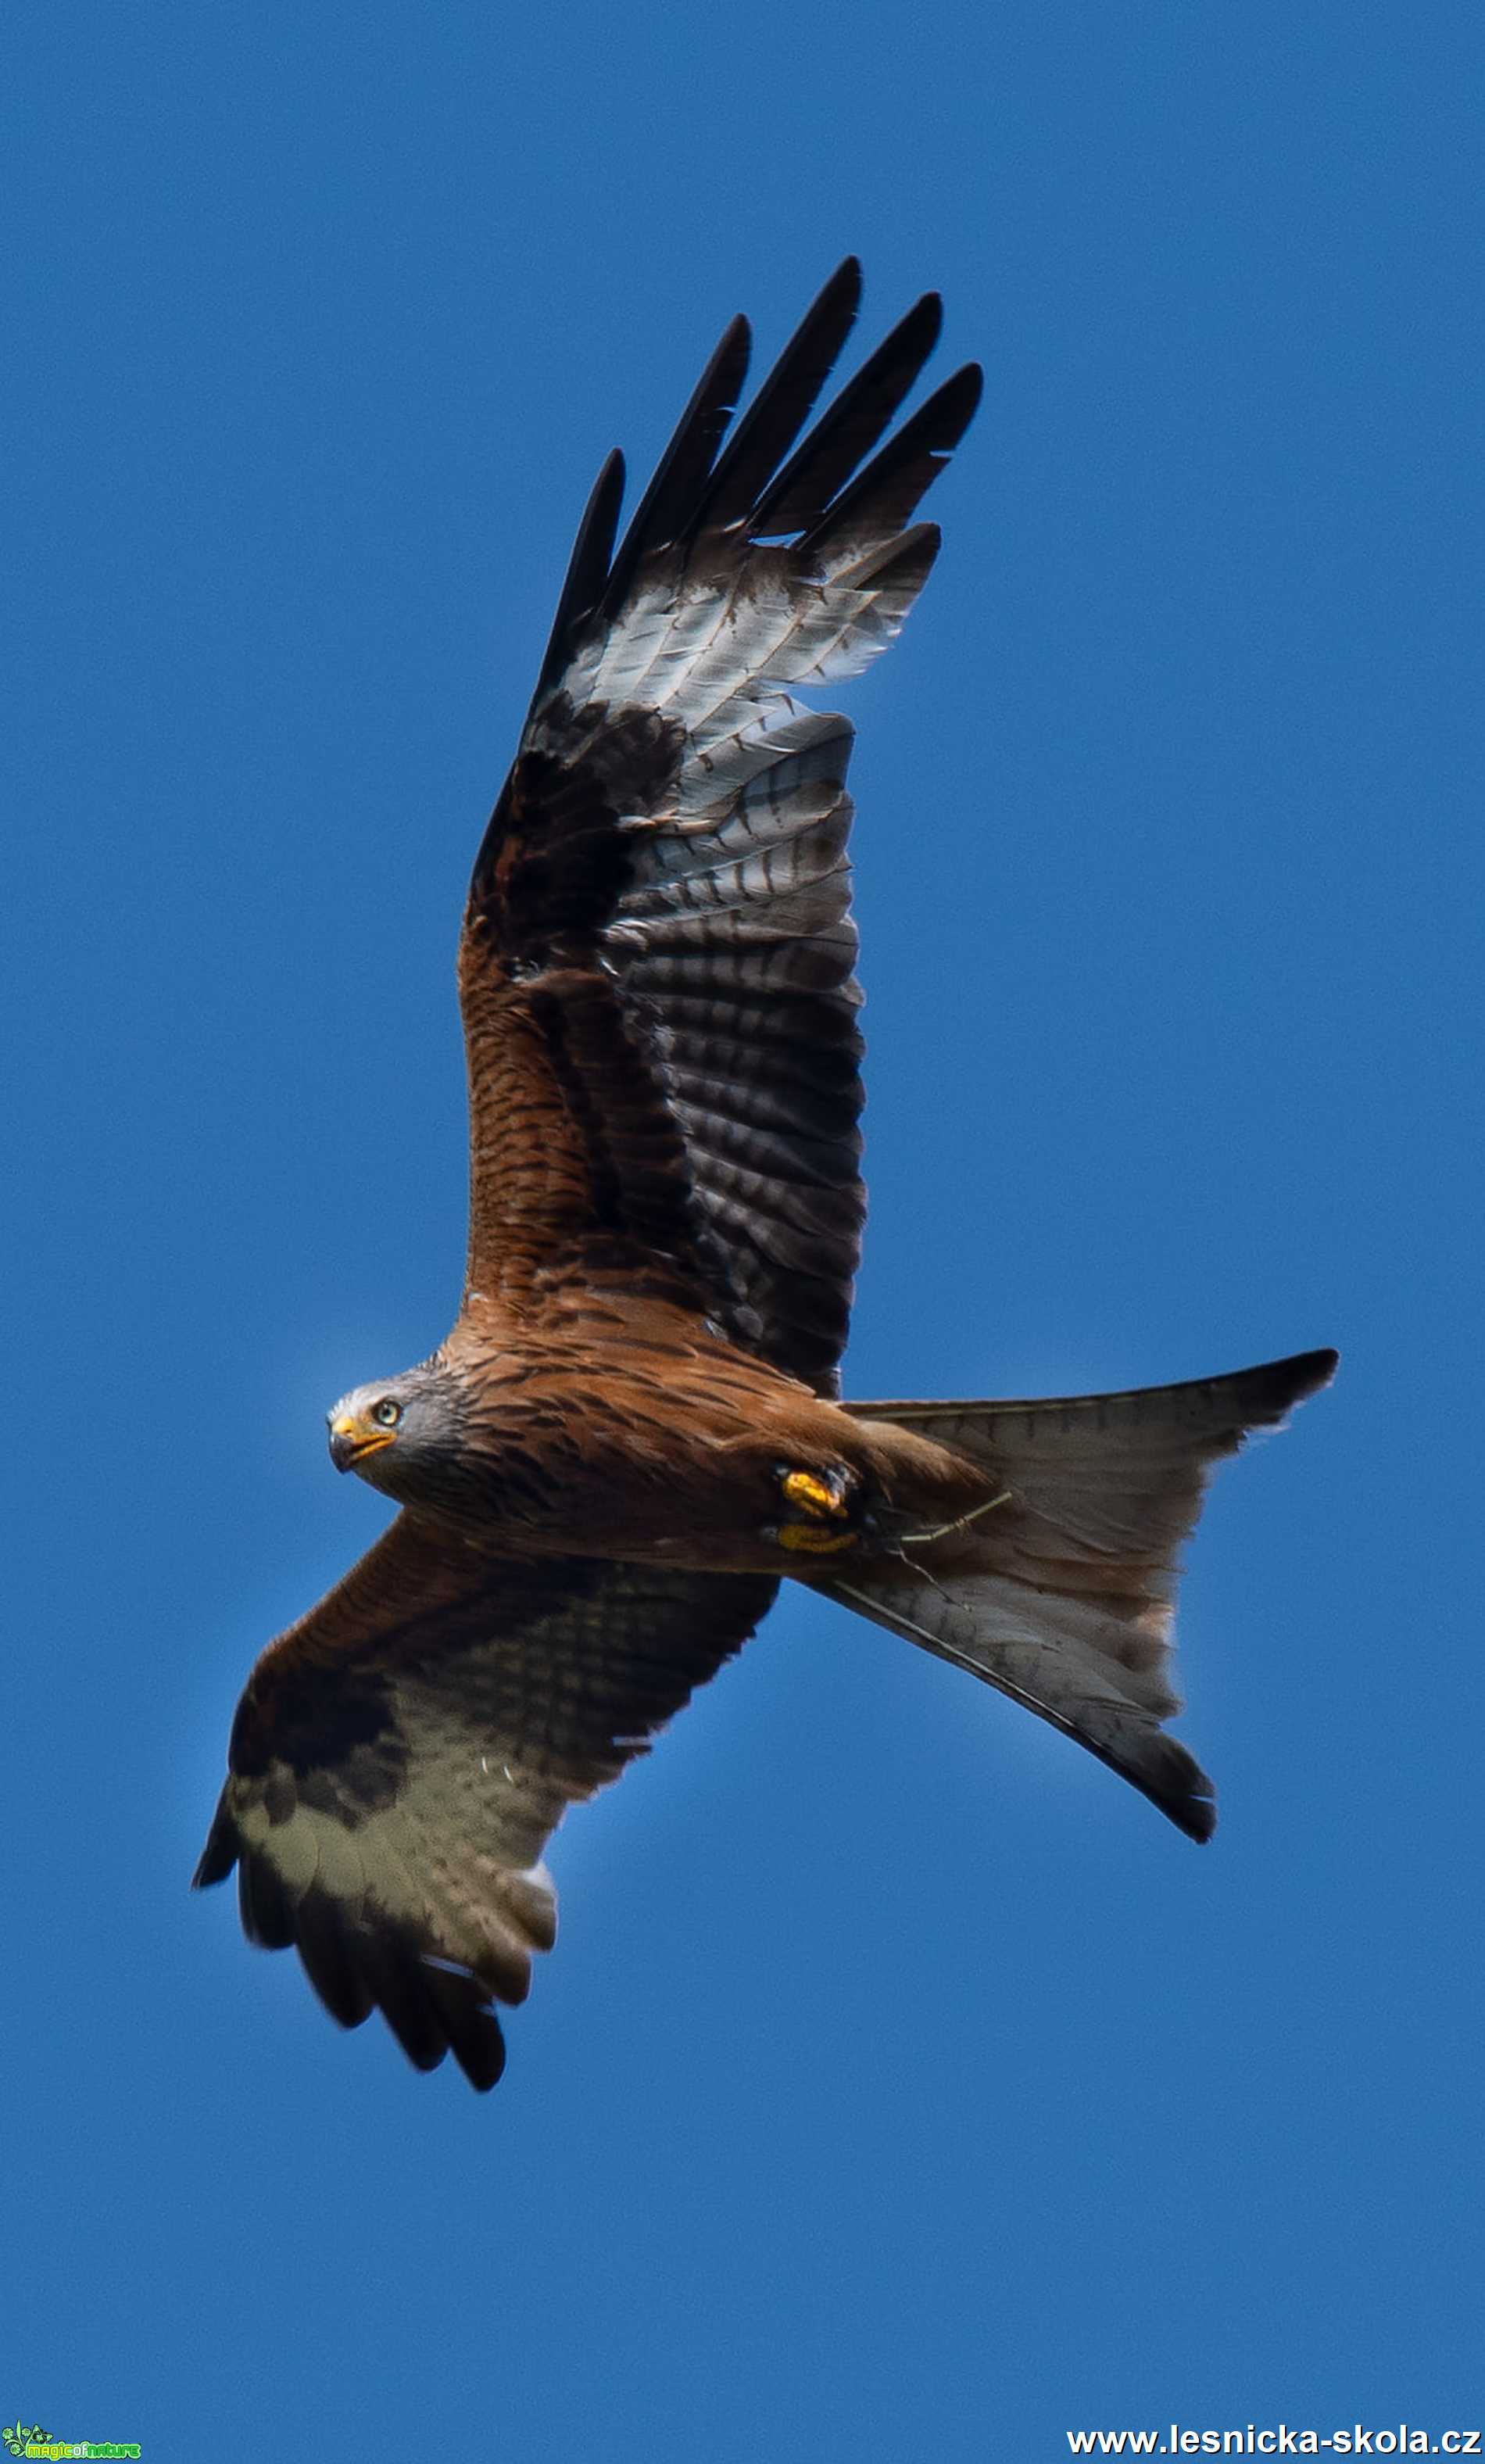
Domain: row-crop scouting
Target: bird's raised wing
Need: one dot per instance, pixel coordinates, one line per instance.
(656, 964)
(401, 1757)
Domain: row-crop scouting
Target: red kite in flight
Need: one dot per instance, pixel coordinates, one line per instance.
(632, 1433)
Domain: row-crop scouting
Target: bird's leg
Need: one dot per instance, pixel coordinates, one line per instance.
(825, 1496)
(821, 1503)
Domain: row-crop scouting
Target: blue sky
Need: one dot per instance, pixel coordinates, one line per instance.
(902, 2084)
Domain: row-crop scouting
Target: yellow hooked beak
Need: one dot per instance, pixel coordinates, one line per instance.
(352, 1440)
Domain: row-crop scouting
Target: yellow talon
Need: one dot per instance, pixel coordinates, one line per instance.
(809, 1538)
(815, 1497)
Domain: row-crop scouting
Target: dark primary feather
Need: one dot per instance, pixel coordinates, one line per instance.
(587, 568)
(656, 968)
(862, 413)
(888, 493)
(664, 511)
(780, 407)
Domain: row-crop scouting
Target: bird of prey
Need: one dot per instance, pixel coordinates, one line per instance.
(633, 1432)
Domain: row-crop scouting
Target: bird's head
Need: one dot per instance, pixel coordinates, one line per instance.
(394, 1429)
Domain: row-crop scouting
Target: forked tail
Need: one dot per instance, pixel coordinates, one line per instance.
(1062, 1594)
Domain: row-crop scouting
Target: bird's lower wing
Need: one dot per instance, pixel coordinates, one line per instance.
(401, 1757)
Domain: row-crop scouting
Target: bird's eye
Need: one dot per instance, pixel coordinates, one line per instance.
(387, 1413)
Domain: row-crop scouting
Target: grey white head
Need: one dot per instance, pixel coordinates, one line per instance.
(395, 1426)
